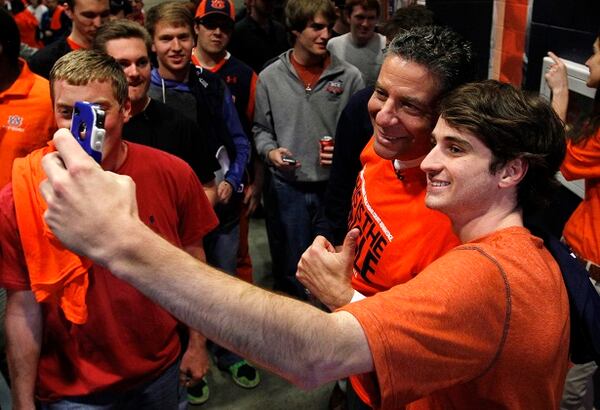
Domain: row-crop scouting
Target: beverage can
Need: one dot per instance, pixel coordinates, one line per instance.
(326, 141)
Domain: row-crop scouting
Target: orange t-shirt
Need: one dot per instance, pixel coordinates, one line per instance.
(26, 119)
(582, 230)
(74, 46)
(485, 326)
(399, 235)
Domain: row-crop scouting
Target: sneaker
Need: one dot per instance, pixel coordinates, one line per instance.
(244, 375)
(199, 393)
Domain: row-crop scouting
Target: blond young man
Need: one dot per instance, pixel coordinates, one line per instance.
(92, 339)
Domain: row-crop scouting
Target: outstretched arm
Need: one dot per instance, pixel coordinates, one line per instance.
(296, 340)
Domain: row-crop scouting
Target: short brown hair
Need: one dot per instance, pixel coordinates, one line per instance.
(175, 13)
(366, 4)
(299, 12)
(117, 29)
(512, 125)
(84, 66)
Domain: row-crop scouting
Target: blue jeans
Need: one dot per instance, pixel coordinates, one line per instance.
(297, 210)
(221, 247)
(163, 393)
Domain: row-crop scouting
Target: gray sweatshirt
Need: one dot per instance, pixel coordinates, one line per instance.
(288, 116)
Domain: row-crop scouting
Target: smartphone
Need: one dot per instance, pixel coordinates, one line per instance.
(87, 126)
(289, 160)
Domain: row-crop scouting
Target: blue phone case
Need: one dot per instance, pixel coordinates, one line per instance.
(87, 126)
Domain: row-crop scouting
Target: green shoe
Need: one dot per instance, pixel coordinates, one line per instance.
(244, 374)
(199, 393)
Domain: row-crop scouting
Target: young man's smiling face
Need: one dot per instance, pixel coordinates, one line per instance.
(362, 24)
(459, 180)
(312, 41)
(132, 55)
(173, 45)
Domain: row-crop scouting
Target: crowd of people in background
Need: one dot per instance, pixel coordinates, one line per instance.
(320, 115)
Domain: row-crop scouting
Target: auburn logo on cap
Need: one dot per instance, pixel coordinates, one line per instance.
(217, 4)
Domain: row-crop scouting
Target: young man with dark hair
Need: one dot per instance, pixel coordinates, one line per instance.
(399, 235)
(453, 337)
(26, 121)
(92, 339)
(421, 66)
(87, 16)
(153, 123)
(362, 46)
(299, 99)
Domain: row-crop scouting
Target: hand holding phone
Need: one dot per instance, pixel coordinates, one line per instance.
(288, 160)
(87, 126)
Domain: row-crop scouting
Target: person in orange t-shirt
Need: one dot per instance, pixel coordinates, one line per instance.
(582, 230)
(399, 236)
(26, 118)
(474, 330)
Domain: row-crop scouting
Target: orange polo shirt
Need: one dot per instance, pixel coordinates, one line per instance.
(26, 119)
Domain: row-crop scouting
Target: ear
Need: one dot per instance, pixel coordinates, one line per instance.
(513, 172)
(295, 33)
(126, 110)
(196, 28)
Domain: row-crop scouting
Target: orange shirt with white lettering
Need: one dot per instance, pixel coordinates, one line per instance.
(582, 230)
(26, 119)
(399, 235)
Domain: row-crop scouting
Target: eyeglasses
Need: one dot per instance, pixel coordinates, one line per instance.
(226, 26)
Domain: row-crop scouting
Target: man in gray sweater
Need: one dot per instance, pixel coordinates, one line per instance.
(299, 99)
(362, 46)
